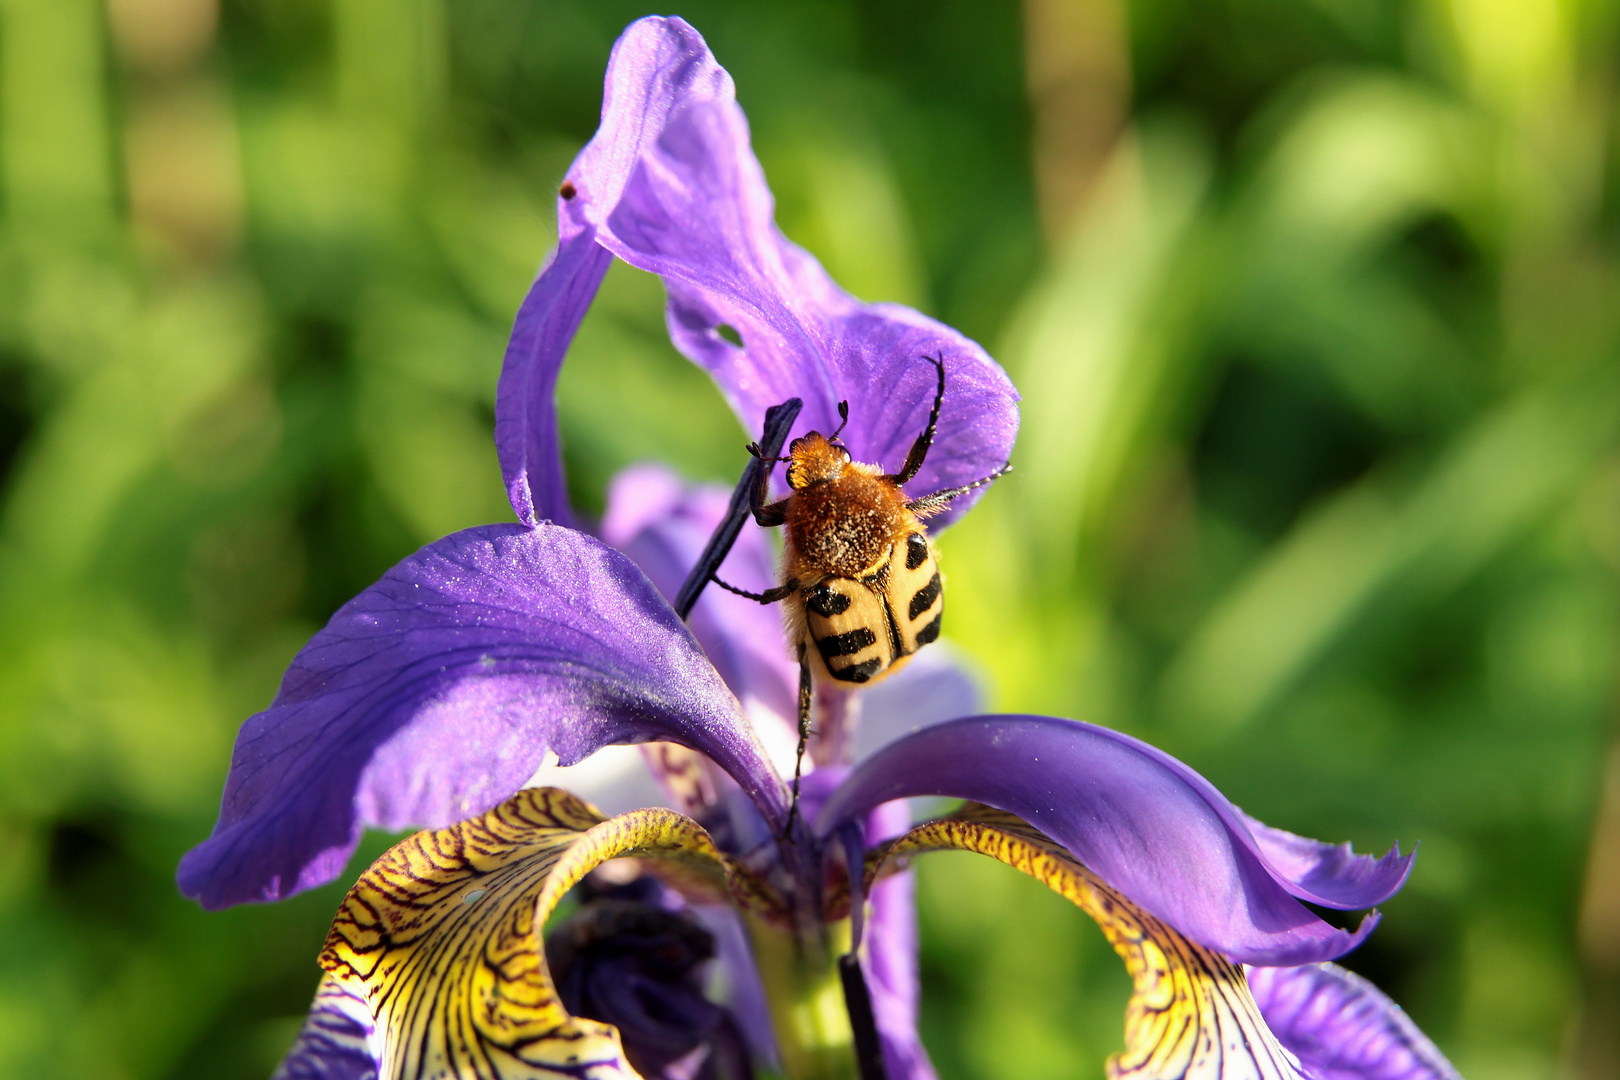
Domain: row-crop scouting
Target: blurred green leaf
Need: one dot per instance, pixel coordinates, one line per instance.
(1317, 481)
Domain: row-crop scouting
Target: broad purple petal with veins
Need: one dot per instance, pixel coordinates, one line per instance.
(436, 693)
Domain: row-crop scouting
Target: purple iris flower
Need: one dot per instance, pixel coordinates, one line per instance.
(434, 696)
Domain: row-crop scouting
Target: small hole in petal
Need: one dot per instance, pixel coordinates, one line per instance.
(730, 334)
(620, 871)
(568, 191)
(473, 897)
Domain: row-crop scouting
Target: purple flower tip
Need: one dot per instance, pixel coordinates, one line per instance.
(1145, 823)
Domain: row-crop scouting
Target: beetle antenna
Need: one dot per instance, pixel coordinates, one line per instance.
(843, 419)
(755, 450)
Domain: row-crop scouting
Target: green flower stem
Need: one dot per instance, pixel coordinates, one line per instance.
(800, 973)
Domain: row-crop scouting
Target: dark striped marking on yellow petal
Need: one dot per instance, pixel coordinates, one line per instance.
(1191, 1016)
(441, 938)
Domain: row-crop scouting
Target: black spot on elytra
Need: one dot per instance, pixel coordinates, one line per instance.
(929, 632)
(847, 644)
(925, 597)
(858, 673)
(826, 602)
(916, 551)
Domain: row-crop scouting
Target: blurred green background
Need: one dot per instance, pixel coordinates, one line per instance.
(1315, 306)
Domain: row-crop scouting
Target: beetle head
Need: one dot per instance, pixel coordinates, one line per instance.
(813, 458)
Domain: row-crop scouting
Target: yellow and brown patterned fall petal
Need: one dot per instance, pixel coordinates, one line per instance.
(1191, 1016)
(441, 937)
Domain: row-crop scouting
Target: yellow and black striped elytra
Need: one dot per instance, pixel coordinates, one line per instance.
(861, 585)
(862, 627)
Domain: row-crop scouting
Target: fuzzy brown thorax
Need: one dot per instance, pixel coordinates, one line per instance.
(843, 517)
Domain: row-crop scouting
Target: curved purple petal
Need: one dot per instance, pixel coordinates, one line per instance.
(1144, 822)
(654, 68)
(525, 397)
(436, 693)
(663, 524)
(1331, 875)
(1342, 1027)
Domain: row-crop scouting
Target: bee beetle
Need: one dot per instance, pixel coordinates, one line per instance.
(859, 576)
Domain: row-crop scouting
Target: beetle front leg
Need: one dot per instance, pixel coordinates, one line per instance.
(767, 514)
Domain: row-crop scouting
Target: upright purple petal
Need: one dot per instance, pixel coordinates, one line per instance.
(1139, 819)
(697, 212)
(1342, 1027)
(656, 66)
(891, 956)
(889, 940)
(663, 524)
(436, 693)
(670, 184)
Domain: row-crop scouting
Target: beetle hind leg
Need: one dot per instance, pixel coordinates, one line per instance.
(769, 596)
(806, 697)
